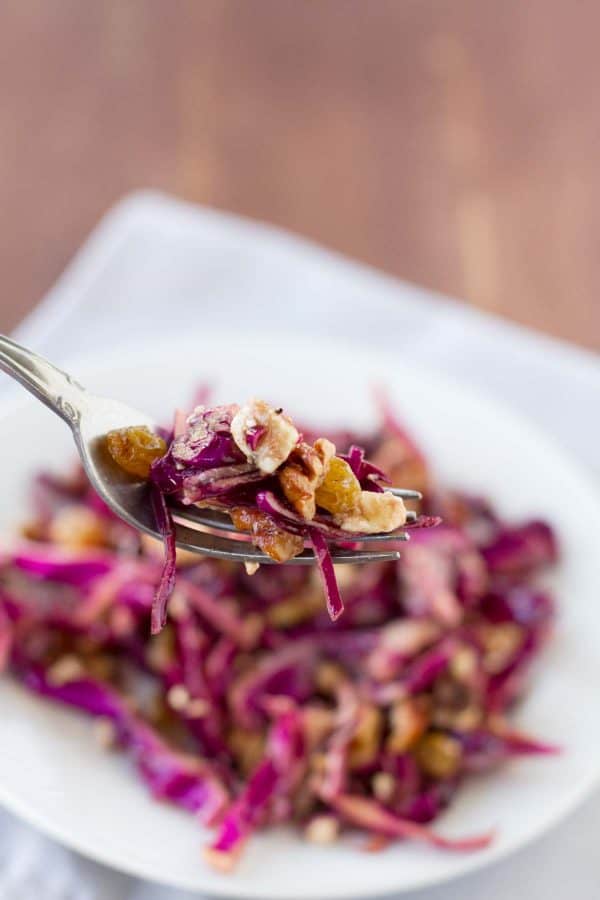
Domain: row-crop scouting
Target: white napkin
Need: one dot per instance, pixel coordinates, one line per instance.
(157, 266)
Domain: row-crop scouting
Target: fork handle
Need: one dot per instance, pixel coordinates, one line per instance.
(57, 390)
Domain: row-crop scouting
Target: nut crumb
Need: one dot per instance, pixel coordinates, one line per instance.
(178, 697)
(303, 473)
(105, 733)
(322, 830)
(66, 669)
(384, 786)
(377, 512)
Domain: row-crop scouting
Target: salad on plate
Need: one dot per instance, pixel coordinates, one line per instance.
(255, 704)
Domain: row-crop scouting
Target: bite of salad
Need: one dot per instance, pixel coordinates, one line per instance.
(285, 491)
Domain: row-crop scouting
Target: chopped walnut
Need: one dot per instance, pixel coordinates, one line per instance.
(76, 527)
(323, 829)
(500, 642)
(295, 609)
(105, 732)
(274, 435)
(280, 545)
(376, 512)
(408, 721)
(198, 708)
(318, 722)
(66, 669)
(463, 665)
(248, 748)
(329, 677)
(178, 697)
(384, 786)
(160, 652)
(364, 746)
(303, 473)
(454, 705)
(221, 860)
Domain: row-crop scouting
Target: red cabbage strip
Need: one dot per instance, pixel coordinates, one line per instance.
(335, 604)
(521, 549)
(219, 615)
(219, 662)
(277, 775)
(191, 646)
(243, 818)
(253, 436)
(367, 473)
(426, 668)
(336, 759)
(217, 482)
(106, 591)
(287, 672)
(484, 749)
(423, 522)
(69, 568)
(370, 815)
(6, 637)
(166, 527)
(186, 781)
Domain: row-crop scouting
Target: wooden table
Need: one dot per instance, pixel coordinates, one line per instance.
(451, 142)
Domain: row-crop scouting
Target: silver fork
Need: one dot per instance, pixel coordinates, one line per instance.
(91, 417)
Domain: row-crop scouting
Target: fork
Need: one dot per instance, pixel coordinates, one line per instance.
(90, 417)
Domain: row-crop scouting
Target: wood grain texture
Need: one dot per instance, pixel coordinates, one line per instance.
(451, 142)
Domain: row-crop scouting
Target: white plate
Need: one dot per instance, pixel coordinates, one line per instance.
(53, 775)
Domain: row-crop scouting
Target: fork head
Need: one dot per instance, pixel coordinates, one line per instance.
(90, 418)
(129, 497)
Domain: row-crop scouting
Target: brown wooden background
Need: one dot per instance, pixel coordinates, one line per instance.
(452, 142)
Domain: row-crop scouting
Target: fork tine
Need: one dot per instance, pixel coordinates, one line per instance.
(243, 551)
(209, 518)
(404, 493)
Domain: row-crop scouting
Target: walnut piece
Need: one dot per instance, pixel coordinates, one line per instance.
(303, 473)
(274, 435)
(364, 746)
(376, 512)
(322, 829)
(280, 545)
(408, 721)
(76, 527)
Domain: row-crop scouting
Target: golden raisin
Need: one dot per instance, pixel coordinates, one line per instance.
(438, 754)
(340, 490)
(135, 449)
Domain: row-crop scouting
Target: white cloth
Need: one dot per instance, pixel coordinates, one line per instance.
(156, 267)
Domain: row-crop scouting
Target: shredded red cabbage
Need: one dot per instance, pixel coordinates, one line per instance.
(166, 527)
(250, 707)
